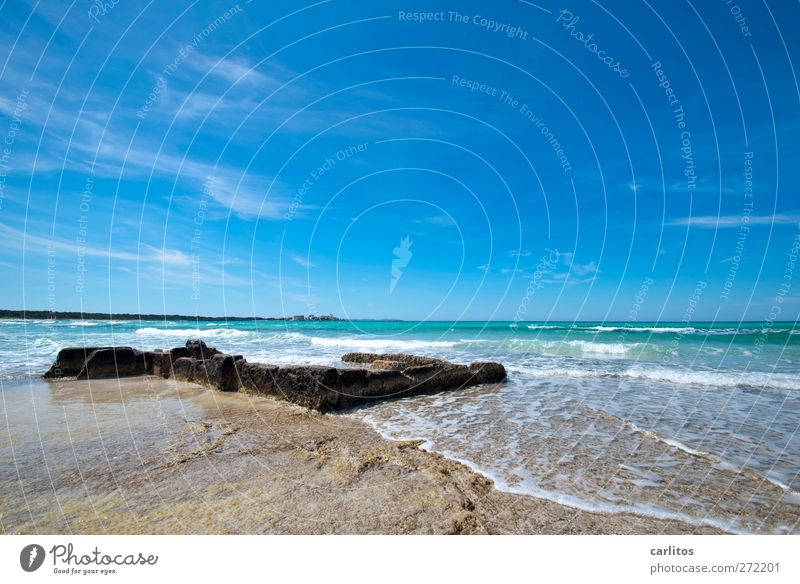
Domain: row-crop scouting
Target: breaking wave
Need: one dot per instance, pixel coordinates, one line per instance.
(205, 334)
(705, 378)
(675, 330)
(370, 345)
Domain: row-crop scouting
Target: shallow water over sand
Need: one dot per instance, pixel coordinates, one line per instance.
(58, 437)
(146, 455)
(560, 445)
(698, 422)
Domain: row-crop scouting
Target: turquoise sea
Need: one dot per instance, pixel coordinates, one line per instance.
(695, 422)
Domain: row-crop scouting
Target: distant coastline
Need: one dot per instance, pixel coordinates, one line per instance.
(61, 315)
(77, 315)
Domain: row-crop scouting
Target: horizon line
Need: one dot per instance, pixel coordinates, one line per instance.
(77, 314)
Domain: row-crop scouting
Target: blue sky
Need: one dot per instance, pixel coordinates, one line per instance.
(239, 159)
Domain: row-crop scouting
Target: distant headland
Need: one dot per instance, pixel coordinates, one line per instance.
(59, 315)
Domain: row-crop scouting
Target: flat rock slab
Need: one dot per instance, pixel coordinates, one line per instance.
(407, 360)
(384, 376)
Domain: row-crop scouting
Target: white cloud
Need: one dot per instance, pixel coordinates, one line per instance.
(232, 70)
(724, 221)
(301, 261)
(19, 239)
(436, 220)
(584, 269)
(576, 273)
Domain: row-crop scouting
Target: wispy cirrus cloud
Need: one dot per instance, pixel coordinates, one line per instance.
(77, 133)
(573, 272)
(300, 260)
(232, 70)
(33, 243)
(726, 221)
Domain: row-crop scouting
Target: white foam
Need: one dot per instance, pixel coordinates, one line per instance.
(682, 330)
(575, 347)
(283, 358)
(379, 344)
(646, 329)
(601, 348)
(214, 333)
(715, 460)
(713, 378)
(556, 371)
(703, 378)
(687, 449)
(671, 442)
(529, 488)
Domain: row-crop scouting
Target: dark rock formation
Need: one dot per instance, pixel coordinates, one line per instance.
(114, 362)
(161, 363)
(407, 360)
(198, 349)
(70, 361)
(222, 370)
(385, 364)
(389, 375)
(429, 377)
(313, 386)
(487, 372)
(385, 383)
(218, 371)
(352, 381)
(194, 349)
(257, 377)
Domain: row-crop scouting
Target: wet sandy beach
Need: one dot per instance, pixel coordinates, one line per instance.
(154, 456)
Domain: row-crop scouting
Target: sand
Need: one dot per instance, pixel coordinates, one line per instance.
(155, 456)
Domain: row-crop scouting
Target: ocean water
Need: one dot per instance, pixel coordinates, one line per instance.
(697, 422)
